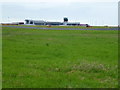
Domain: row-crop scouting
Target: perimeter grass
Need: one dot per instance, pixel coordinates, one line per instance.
(44, 26)
(35, 58)
(0, 57)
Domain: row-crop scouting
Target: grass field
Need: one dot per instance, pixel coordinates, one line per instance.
(35, 58)
(0, 58)
(44, 26)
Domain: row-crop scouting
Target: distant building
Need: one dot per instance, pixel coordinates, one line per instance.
(13, 23)
(34, 22)
(84, 25)
(73, 24)
(41, 22)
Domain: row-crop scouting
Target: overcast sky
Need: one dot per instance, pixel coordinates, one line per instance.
(99, 12)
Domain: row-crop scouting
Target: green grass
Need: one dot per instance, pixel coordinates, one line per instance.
(0, 58)
(63, 26)
(35, 58)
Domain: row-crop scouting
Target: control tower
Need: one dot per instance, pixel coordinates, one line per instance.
(65, 20)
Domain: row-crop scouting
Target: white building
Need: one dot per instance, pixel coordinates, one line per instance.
(41, 22)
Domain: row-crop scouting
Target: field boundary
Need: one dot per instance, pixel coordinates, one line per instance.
(51, 28)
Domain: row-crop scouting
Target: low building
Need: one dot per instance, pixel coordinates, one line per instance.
(53, 23)
(34, 22)
(84, 25)
(73, 23)
(13, 23)
(41, 22)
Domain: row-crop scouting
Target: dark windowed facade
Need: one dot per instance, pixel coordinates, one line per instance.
(27, 21)
(31, 22)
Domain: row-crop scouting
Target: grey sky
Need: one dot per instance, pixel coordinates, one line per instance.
(93, 13)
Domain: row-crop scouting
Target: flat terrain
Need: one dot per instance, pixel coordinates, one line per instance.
(62, 27)
(0, 58)
(35, 58)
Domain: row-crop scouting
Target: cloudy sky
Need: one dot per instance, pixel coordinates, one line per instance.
(93, 12)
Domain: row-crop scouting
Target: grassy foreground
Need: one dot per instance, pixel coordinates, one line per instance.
(44, 26)
(0, 58)
(35, 58)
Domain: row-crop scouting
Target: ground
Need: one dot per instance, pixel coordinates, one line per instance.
(35, 58)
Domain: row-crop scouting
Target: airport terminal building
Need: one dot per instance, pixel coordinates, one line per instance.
(41, 22)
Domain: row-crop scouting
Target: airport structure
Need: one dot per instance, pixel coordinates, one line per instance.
(41, 22)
